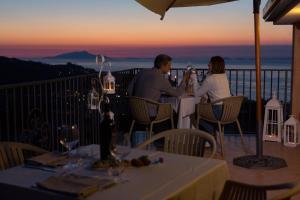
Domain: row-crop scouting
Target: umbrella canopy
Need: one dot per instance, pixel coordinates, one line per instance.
(162, 6)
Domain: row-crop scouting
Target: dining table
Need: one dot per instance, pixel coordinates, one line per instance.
(185, 107)
(177, 177)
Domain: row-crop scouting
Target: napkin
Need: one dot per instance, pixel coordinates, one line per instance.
(75, 185)
(48, 159)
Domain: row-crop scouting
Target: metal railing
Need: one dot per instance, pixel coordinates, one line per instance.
(33, 112)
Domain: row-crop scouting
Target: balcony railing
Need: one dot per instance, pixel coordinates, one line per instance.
(33, 112)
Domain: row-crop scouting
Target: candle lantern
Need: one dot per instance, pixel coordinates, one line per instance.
(93, 100)
(273, 120)
(291, 132)
(109, 83)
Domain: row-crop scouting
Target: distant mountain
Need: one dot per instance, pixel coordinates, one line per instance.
(15, 70)
(85, 55)
(74, 55)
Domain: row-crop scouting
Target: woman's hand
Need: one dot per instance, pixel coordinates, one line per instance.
(186, 77)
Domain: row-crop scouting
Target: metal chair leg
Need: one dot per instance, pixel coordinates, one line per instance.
(130, 132)
(221, 139)
(172, 123)
(150, 131)
(240, 131)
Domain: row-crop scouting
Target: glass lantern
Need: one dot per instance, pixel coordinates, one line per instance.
(109, 83)
(273, 120)
(291, 132)
(93, 100)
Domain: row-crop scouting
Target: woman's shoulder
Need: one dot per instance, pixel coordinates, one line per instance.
(217, 76)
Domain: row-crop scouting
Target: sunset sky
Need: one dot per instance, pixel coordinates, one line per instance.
(48, 27)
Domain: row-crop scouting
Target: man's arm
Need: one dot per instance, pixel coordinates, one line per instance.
(167, 88)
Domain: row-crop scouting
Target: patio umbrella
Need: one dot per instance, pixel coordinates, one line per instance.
(253, 161)
(162, 6)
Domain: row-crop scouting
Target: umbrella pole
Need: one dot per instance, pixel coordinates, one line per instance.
(259, 135)
(258, 161)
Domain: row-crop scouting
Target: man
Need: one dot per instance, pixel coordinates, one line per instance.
(151, 83)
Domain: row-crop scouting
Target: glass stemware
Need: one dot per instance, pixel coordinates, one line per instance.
(69, 137)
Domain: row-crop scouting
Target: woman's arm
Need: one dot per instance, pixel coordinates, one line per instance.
(201, 90)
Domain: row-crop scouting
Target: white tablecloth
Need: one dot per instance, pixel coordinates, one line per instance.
(179, 177)
(185, 107)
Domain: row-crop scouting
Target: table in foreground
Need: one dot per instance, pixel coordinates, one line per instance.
(178, 177)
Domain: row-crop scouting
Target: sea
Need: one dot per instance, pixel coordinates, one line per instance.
(118, 64)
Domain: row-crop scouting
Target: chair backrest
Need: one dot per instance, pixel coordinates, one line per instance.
(184, 141)
(287, 195)
(16, 152)
(235, 191)
(231, 108)
(4, 164)
(139, 109)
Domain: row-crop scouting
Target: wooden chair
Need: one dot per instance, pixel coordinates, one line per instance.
(184, 141)
(231, 110)
(241, 191)
(14, 153)
(139, 108)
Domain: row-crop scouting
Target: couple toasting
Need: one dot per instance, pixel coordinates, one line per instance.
(151, 83)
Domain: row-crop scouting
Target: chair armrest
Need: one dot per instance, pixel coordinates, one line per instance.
(164, 111)
(280, 186)
(226, 98)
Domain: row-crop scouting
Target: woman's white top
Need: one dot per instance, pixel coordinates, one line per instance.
(216, 86)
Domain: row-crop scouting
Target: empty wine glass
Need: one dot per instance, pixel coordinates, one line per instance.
(69, 136)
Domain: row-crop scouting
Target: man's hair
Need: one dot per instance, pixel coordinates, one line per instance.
(161, 59)
(217, 65)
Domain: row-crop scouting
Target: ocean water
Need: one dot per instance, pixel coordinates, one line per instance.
(129, 63)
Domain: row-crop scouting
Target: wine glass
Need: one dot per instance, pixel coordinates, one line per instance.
(69, 136)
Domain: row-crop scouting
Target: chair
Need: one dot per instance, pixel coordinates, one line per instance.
(236, 191)
(139, 108)
(14, 153)
(184, 141)
(287, 195)
(231, 110)
(3, 159)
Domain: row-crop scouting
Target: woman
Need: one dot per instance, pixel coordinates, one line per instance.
(215, 86)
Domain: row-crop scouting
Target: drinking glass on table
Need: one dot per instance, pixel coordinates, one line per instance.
(68, 136)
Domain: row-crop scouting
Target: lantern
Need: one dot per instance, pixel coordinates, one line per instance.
(109, 85)
(273, 120)
(291, 132)
(93, 100)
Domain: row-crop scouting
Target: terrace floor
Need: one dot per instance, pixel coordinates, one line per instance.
(233, 148)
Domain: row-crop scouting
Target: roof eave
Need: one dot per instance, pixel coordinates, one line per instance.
(273, 11)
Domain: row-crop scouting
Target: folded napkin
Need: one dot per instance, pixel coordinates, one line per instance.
(48, 159)
(75, 185)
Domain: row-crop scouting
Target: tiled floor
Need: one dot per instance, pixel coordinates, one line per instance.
(233, 148)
